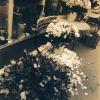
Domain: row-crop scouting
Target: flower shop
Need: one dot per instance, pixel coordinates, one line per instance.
(38, 43)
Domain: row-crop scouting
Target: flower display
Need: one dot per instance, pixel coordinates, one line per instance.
(47, 73)
(82, 3)
(24, 81)
(59, 28)
(69, 62)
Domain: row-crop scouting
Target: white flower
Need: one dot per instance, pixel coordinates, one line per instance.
(86, 93)
(23, 95)
(55, 89)
(10, 41)
(13, 62)
(41, 84)
(61, 27)
(82, 3)
(34, 52)
(35, 65)
(6, 91)
(47, 35)
(76, 93)
(1, 71)
(68, 60)
(20, 86)
(84, 87)
(72, 93)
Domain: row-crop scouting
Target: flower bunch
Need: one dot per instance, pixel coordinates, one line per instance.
(68, 62)
(25, 80)
(59, 28)
(82, 3)
(45, 74)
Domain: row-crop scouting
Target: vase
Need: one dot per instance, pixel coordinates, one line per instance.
(71, 16)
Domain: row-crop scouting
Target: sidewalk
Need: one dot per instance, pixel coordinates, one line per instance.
(91, 67)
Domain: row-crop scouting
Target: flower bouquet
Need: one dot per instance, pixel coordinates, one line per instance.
(66, 61)
(42, 75)
(82, 3)
(63, 32)
(61, 28)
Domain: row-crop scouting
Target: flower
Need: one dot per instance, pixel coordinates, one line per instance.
(1, 71)
(10, 41)
(86, 93)
(69, 62)
(23, 95)
(62, 28)
(13, 62)
(6, 91)
(82, 3)
(55, 75)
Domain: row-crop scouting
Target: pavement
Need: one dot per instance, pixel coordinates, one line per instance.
(91, 67)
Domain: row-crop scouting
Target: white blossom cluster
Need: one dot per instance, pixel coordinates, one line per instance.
(82, 3)
(69, 61)
(57, 28)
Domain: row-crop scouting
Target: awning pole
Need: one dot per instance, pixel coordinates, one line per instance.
(10, 18)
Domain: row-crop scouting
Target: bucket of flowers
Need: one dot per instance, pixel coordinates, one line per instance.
(63, 31)
(43, 75)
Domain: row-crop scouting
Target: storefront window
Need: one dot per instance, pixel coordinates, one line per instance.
(3, 14)
(25, 16)
(20, 17)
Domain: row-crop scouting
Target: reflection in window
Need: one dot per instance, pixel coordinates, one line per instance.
(3, 21)
(3, 14)
(26, 14)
